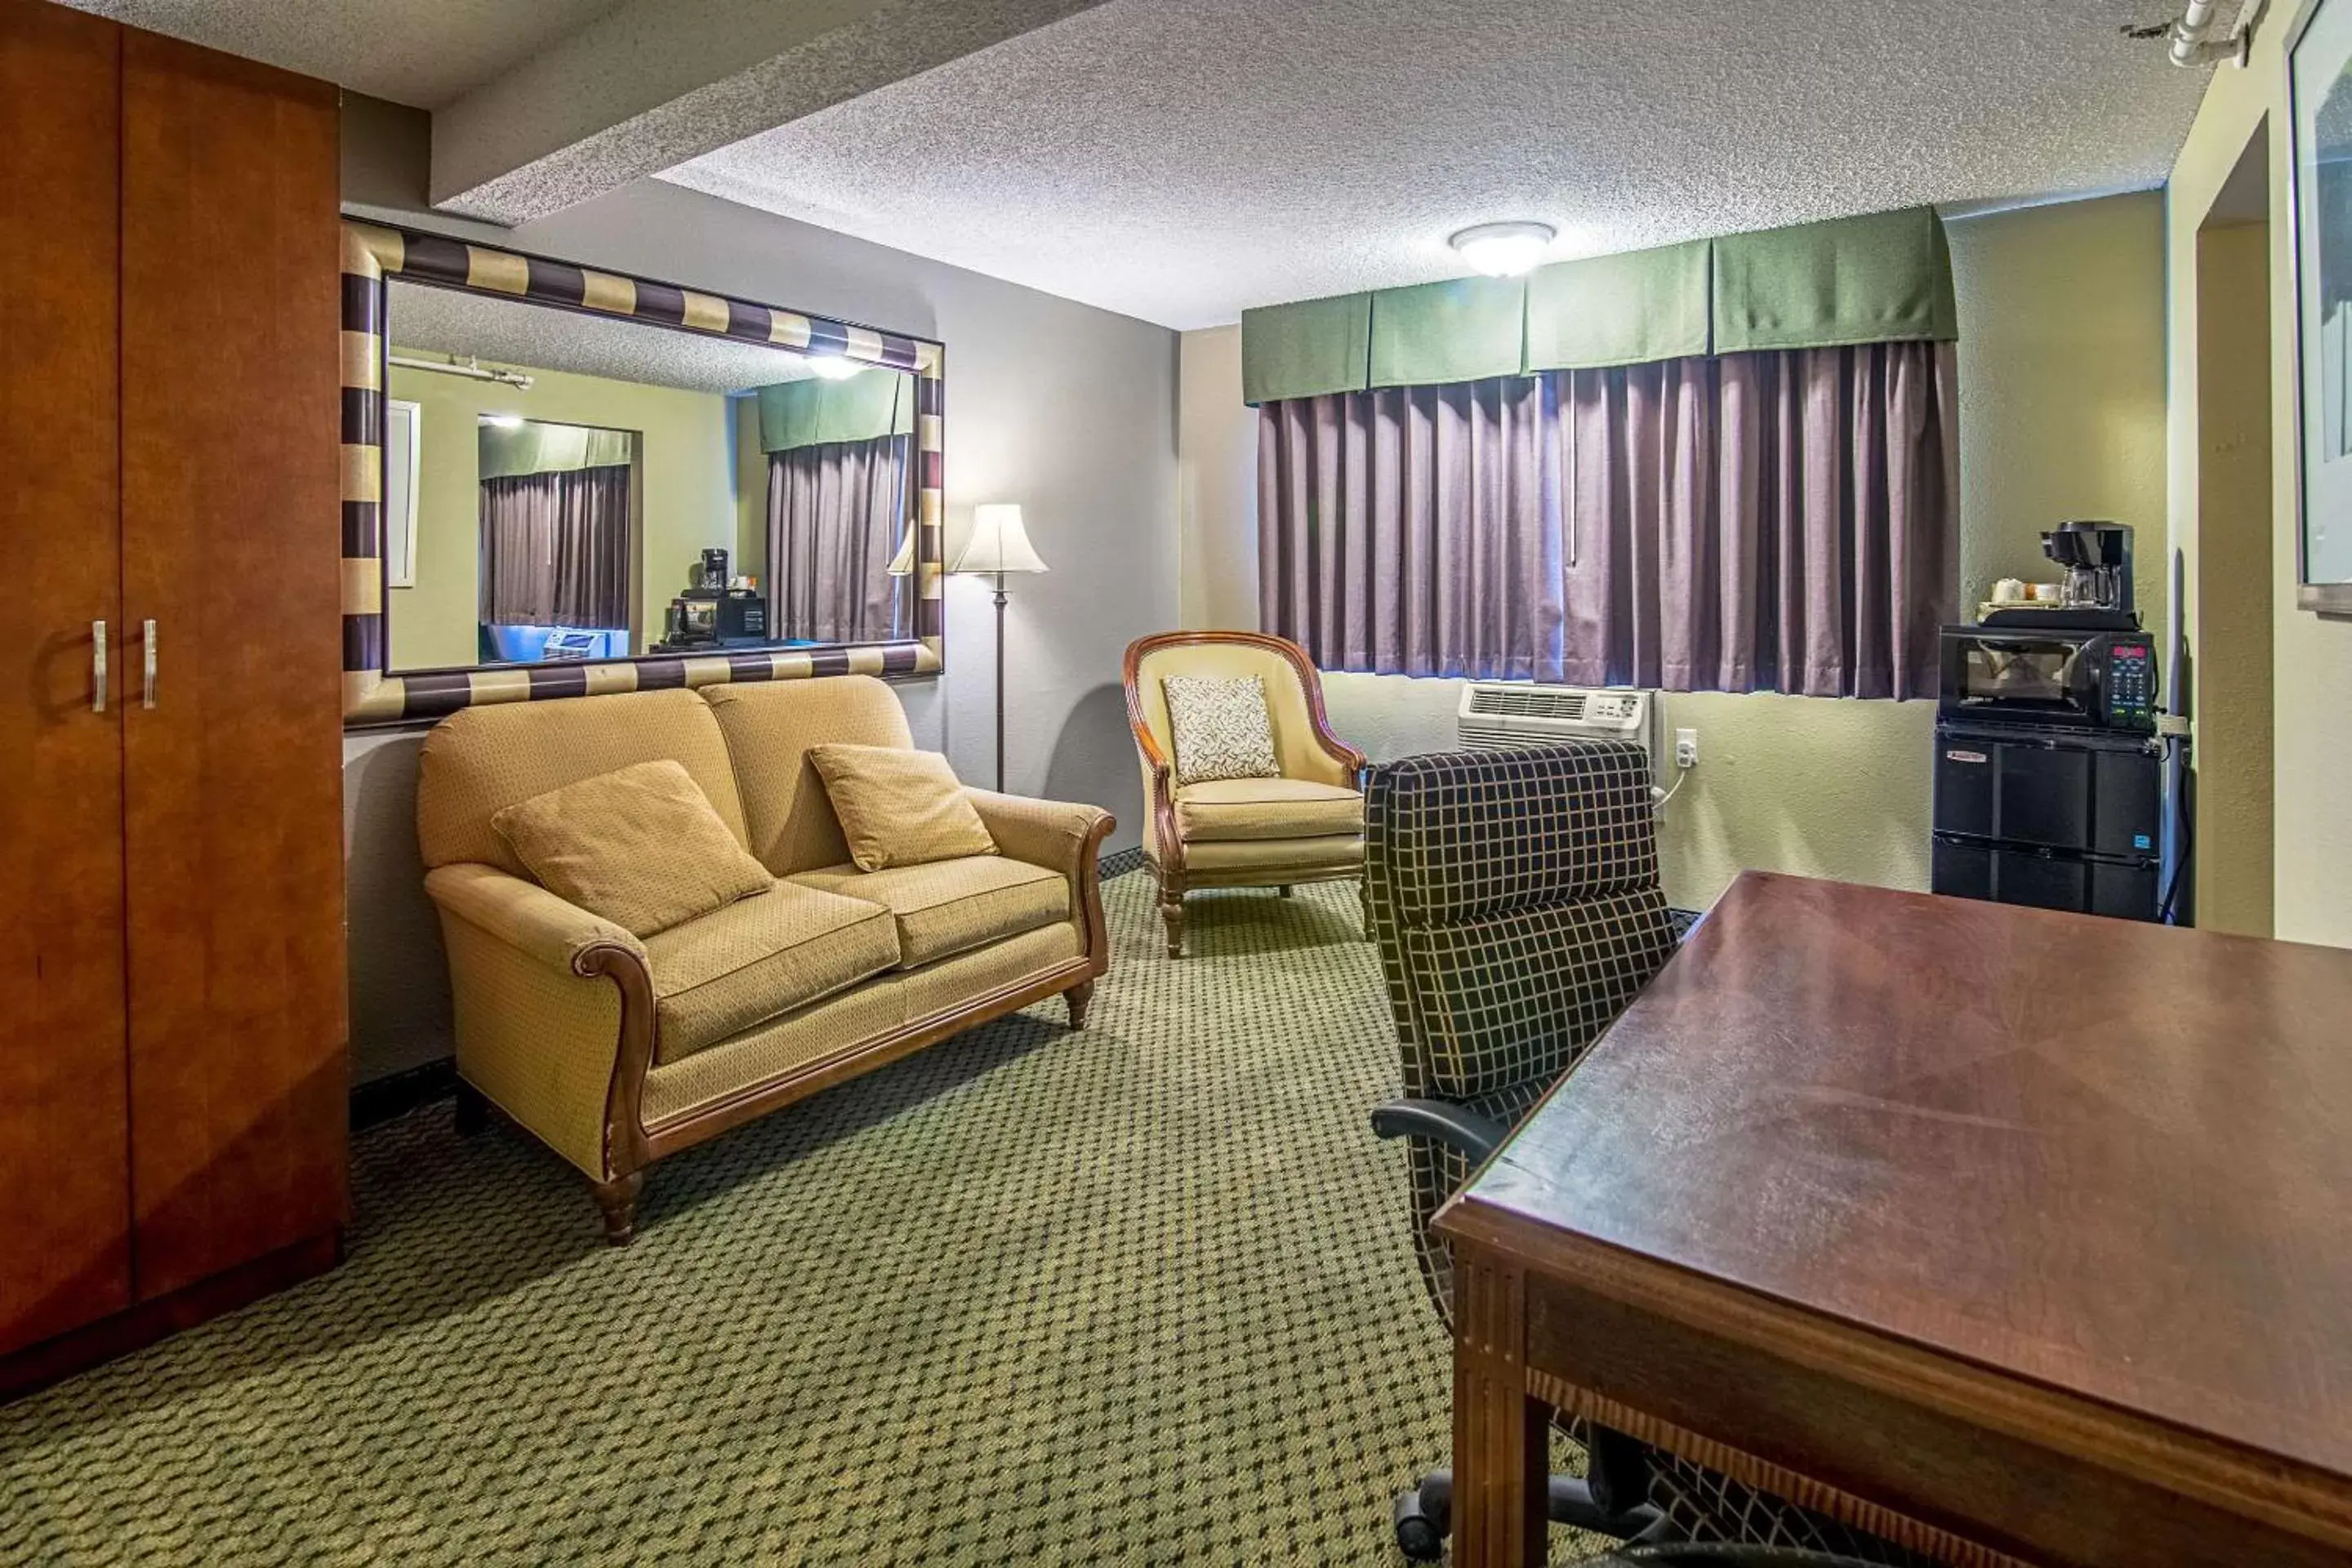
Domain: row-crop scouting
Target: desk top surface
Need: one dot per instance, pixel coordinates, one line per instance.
(2115, 1158)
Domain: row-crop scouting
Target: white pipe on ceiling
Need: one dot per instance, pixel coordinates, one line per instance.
(470, 369)
(2190, 47)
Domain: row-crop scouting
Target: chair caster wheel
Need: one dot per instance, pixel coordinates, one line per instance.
(1420, 1538)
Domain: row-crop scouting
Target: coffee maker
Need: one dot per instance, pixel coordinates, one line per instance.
(710, 577)
(2097, 558)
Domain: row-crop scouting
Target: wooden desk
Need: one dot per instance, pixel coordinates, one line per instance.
(2010, 1232)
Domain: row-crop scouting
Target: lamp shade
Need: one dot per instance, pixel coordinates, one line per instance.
(998, 542)
(903, 564)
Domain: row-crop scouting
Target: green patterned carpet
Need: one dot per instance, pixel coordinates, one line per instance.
(1138, 1295)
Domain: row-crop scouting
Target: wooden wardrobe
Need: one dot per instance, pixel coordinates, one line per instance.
(174, 1104)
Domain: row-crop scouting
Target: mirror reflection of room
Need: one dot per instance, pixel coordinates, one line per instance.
(559, 514)
(835, 448)
(567, 487)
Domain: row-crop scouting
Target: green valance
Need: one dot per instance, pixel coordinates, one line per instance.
(536, 446)
(1308, 349)
(1880, 278)
(808, 413)
(1464, 330)
(1824, 285)
(1628, 308)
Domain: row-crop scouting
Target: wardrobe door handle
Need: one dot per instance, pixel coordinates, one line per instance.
(147, 652)
(98, 667)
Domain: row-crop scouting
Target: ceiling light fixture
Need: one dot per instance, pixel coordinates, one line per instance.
(1504, 249)
(833, 367)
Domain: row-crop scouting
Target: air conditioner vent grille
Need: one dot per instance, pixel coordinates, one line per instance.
(1495, 715)
(1525, 702)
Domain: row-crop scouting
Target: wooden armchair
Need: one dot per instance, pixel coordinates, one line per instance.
(1307, 825)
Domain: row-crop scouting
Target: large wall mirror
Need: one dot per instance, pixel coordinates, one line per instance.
(561, 481)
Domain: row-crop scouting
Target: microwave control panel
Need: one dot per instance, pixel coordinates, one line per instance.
(2131, 684)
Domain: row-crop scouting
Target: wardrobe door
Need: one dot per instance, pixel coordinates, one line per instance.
(66, 1257)
(231, 541)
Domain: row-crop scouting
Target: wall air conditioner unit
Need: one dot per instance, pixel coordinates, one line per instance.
(1498, 716)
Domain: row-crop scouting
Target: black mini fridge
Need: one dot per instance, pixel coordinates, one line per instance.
(2059, 819)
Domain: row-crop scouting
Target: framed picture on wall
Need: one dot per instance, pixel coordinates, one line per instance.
(402, 427)
(2319, 97)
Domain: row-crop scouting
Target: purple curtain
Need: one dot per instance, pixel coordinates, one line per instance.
(836, 512)
(1414, 531)
(555, 549)
(1774, 522)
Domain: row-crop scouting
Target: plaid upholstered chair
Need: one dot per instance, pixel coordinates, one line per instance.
(1516, 899)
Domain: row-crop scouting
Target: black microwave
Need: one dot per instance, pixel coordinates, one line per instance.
(729, 616)
(2080, 680)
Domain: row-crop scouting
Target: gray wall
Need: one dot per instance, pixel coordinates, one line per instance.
(1067, 409)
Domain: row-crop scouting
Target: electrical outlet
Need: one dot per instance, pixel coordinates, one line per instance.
(1686, 748)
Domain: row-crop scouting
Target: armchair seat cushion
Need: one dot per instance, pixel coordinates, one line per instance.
(947, 907)
(1226, 810)
(772, 953)
(1263, 860)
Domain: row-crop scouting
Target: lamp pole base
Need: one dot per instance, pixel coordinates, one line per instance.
(1000, 683)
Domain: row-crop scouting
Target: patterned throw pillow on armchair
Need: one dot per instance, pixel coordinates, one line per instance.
(1221, 728)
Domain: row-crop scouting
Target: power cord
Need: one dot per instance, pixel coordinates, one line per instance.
(2168, 911)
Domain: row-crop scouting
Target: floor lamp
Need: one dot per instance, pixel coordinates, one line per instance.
(998, 544)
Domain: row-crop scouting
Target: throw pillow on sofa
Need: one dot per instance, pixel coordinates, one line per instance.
(1220, 726)
(640, 847)
(900, 807)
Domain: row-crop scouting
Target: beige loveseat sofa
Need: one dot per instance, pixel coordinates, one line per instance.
(616, 1051)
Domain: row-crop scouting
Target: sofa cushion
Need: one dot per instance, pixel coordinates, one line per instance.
(770, 726)
(480, 759)
(949, 906)
(760, 959)
(1220, 810)
(639, 846)
(900, 807)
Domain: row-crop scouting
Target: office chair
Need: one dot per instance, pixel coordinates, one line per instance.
(1516, 900)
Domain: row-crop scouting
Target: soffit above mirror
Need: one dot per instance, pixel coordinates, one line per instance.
(504, 331)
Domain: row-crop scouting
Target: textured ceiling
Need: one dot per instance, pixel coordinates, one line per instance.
(507, 333)
(419, 52)
(659, 81)
(1178, 160)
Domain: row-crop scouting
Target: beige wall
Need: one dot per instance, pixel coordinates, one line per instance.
(686, 496)
(2235, 740)
(2311, 657)
(2063, 414)
(1217, 484)
(750, 491)
(2062, 385)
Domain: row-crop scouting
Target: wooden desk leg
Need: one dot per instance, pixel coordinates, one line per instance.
(1502, 1438)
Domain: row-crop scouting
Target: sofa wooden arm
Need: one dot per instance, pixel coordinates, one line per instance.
(555, 1016)
(1063, 837)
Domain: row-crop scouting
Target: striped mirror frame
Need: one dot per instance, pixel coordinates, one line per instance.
(372, 695)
